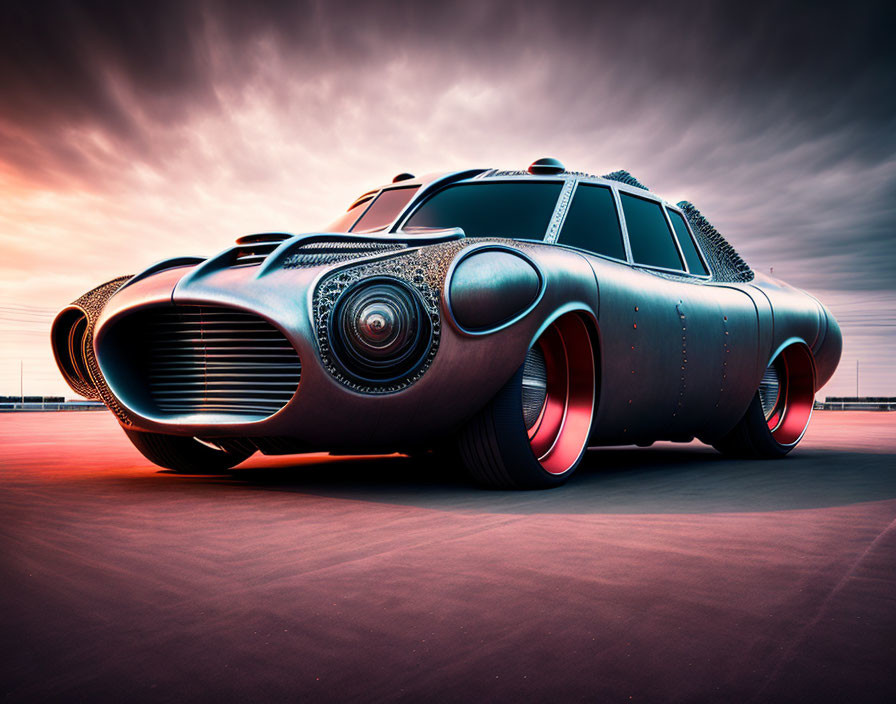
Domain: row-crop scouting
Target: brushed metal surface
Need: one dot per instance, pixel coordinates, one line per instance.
(677, 355)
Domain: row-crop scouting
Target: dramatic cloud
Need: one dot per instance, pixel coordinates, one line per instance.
(134, 131)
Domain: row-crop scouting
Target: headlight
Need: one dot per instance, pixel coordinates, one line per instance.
(379, 330)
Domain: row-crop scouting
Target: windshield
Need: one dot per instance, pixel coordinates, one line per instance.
(517, 209)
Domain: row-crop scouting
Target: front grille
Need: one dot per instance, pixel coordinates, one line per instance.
(213, 360)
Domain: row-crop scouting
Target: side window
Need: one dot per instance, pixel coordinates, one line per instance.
(649, 234)
(592, 222)
(692, 257)
(344, 222)
(384, 209)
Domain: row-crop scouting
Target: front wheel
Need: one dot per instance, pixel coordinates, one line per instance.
(187, 455)
(534, 432)
(779, 413)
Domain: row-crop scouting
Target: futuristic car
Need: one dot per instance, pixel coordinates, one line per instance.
(518, 317)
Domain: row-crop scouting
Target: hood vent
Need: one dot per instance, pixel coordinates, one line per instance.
(252, 250)
(334, 251)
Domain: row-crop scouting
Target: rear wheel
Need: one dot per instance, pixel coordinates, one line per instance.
(779, 413)
(533, 434)
(187, 455)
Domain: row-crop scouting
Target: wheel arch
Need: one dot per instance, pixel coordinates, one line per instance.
(796, 354)
(592, 326)
(790, 342)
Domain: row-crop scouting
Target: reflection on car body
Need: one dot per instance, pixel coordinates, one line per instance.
(515, 317)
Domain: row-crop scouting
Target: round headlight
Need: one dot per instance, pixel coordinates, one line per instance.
(379, 330)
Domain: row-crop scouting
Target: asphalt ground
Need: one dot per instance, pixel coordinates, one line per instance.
(661, 574)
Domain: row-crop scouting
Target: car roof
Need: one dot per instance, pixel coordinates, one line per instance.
(621, 180)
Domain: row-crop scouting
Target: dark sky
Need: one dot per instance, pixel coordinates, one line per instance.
(133, 131)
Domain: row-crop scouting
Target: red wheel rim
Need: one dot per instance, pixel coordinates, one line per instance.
(790, 417)
(559, 435)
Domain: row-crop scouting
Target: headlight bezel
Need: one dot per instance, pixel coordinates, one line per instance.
(361, 365)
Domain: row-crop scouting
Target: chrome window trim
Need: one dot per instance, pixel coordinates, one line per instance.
(663, 205)
(418, 201)
(561, 208)
(629, 259)
(690, 231)
(589, 253)
(684, 259)
(624, 233)
(376, 194)
(664, 270)
(373, 200)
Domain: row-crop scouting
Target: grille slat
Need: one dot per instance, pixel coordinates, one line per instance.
(260, 386)
(211, 378)
(203, 341)
(238, 348)
(209, 360)
(226, 410)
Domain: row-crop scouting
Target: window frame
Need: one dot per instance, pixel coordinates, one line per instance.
(670, 231)
(366, 200)
(562, 207)
(624, 233)
(388, 226)
(425, 195)
(667, 209)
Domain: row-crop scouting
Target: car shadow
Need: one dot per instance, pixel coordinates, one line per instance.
(661, 479)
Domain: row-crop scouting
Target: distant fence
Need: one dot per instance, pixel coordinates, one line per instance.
(60, 405)
(857, 403)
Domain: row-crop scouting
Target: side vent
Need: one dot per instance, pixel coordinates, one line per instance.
(252, 250)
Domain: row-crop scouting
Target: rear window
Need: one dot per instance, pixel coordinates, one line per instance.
(520, 210)
(691, 256)
(384, 209)
(592, 223)
(649, 234)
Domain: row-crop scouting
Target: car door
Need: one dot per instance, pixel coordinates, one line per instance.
(638, 322)
(668, 341)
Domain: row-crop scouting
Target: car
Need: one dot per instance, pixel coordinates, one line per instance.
(509, 319)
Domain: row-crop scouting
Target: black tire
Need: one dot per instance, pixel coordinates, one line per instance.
(495, 445)
(772, 432)
(495, 449)
(751, 437)
(186, 455)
